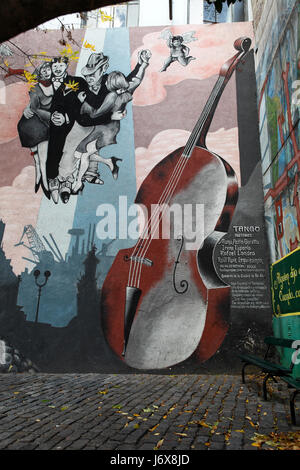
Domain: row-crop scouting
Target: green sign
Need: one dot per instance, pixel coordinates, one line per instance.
(285, 285)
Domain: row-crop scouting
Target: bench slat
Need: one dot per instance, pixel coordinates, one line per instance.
(266, 365)
(284, 342)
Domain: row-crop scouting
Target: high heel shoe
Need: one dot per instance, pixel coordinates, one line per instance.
(92, 177)
(37, 185)
(65, 190)
(115, 170)
(54, 188)
(79, 190)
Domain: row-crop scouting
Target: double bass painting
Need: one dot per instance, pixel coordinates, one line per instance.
(148, 320)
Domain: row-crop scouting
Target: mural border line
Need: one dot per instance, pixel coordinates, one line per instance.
(282, 315)
(290, 253)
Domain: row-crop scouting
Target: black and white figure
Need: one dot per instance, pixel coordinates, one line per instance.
(95, 126)
(45, 122)
(64, 112)
(178, 50)
(70, 118)
(33, 126)
(120, 93)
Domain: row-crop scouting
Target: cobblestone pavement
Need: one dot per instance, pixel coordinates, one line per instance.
(137, 412)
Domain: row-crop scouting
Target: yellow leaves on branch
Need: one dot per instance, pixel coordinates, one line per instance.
(104, 16)
(87, 45)
(31, 79)
(74, 86)
(69, 53)
(41, 56)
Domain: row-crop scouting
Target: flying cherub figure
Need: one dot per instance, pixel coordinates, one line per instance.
(178, 50)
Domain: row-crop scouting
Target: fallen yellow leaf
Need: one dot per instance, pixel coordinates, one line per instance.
(256, 444)
(154, 427)
(159, 444)
(203, 423)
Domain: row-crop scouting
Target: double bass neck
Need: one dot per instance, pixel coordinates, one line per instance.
(199, 133)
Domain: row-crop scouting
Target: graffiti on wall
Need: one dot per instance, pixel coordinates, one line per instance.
(100, 142)
(280, 138)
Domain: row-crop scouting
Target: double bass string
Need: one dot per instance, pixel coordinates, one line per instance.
(185, 156)
(194, 135)
(179, 167)
(173, 181)
(179, 164)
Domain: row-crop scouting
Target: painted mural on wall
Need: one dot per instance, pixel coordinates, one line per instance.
(278, 73)
(102, 147)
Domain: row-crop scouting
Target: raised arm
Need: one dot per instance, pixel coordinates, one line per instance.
(186, 50)
(136, 76)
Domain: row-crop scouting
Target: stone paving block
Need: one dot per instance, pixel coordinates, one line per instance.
(7, 442)
(216, 446)
(79, 444)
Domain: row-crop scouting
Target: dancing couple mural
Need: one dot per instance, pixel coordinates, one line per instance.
(69, 119)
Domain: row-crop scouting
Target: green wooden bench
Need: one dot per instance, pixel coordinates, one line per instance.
(295, 384)
(270, 368)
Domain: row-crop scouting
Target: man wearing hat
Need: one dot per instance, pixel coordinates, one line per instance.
(82, 124)
(63, 115)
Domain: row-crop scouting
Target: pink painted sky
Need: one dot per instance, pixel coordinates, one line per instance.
(19, 206)
(213, 47)
(16, 99)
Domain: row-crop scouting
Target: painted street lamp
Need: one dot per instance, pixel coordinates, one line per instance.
(36, 274)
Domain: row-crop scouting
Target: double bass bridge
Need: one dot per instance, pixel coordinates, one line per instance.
(139, 259)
